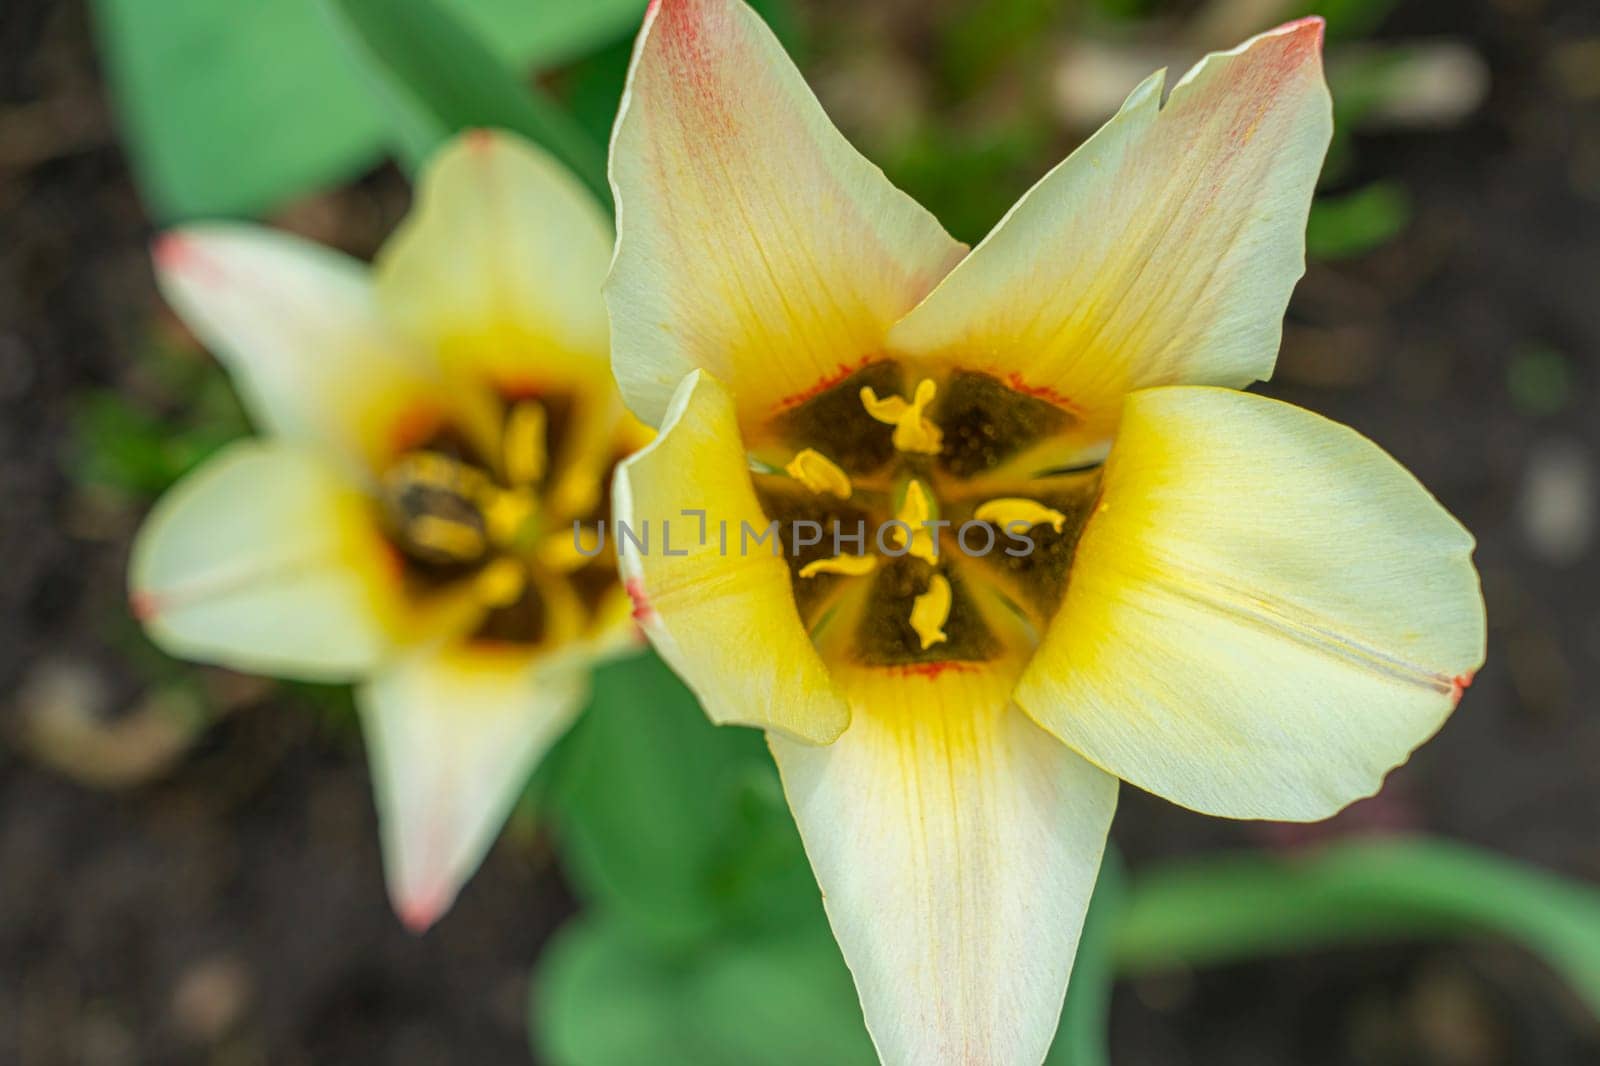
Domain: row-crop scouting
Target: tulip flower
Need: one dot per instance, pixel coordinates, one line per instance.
(434, 427)
(1228, 601)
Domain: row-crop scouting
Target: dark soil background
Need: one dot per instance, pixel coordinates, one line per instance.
(229, 910)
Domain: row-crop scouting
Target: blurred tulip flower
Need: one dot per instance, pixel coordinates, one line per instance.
(1230, 602)
(434, 428)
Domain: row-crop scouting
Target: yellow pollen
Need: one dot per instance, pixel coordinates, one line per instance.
(500, 584)
(819, 473)
(507, 514)
(1015, 511)
(458, 540)
(930, 611)
(915, 512)
(849, 565)
(559, 551)
(913, 432)
(523, 446)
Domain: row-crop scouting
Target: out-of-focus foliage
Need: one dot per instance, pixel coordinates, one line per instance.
(1218, 910)
(1539, 379)
(1352, 224)
(137, 446)
(605, 999)
(232, 107)
(435, 77)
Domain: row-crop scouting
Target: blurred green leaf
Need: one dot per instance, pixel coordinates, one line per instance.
(603, 998)
(1220, 910)
(437, 78)
(1348, 19)
(120, 446)
(1342, 227)
(1540, 381)
(977, 40)
(1081, 1036)
(232, 107)
(677, 825)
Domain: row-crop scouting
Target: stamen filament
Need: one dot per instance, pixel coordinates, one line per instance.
(819, 474)
(523, 445)
(913, 432)
(915, 511)
(1015, 510)
(930, 611)
(501, 583)
(849, 565)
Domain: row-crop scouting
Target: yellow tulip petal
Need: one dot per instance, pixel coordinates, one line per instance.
(819, 473)
(721, 617)
(302, 336)
(498, 267)
(754, 240)
(1163, 251)
(956, 845)
(1266, 614)
(452, 737)
(268, 561)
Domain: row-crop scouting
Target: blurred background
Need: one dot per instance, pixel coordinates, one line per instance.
(188, 858)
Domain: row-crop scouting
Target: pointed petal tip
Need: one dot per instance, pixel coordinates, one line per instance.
(421, 911)
(480, 139)
(1304, 36)
(144, 605)
(180, 253)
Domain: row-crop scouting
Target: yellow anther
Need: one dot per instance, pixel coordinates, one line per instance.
(432, 470)
(1012, 511)
(930, 611)
(445, 536)
(500, 584)
(523, 446)
(819, 473)
(507, 514)
(849, 565)
(563, 551)
(915, 511)
(913, 432)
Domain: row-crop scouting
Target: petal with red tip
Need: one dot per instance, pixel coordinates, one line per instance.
(1163, 251)
(754, 241)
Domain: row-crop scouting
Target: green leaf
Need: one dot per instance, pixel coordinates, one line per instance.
(675, 824)
(1220, 910)
(437, 78)
(604, 998)
(1356, 223)
(233, 107)
(1081, 1037)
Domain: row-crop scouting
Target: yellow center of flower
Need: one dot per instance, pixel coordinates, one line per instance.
(495, 520)
(949, 506)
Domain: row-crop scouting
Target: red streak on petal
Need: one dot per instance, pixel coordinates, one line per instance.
(932, 671)
(479, 140)
(1040, 392)
(642, 611)
(823, 384)
(1459, 685)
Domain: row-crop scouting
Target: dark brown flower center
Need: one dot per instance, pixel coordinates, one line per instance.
(491, 516)
(949, 505)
